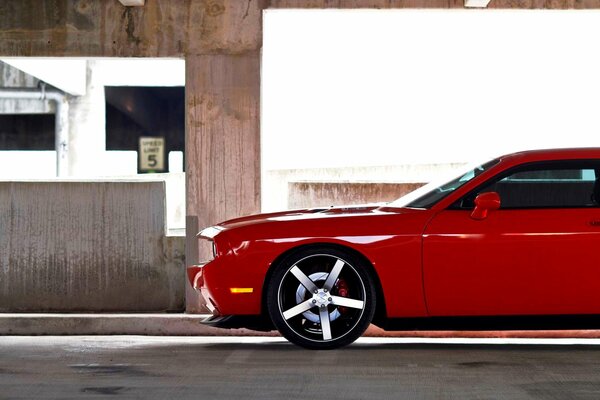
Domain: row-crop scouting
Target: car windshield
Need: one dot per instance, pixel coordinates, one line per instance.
(426, 196)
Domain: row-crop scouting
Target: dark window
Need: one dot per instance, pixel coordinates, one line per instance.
(27, 132)
(544, 185)
(132, 112)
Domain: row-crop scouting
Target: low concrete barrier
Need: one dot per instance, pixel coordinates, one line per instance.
(87, 246)
(324, 194)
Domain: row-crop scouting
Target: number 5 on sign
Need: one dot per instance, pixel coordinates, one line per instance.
(152, 154)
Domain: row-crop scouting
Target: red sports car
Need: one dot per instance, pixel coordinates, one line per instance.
(513, 243)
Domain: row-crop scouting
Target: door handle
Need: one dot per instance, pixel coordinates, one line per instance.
(595, 222)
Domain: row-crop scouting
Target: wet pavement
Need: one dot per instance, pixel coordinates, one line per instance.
(141, 367)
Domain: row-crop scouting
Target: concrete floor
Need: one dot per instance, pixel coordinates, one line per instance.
(130, 367)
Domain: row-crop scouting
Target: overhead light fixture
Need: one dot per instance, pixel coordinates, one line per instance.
(476, 3)
(132, 3)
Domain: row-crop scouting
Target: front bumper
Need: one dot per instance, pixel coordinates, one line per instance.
(196, 278)
(194, 274)
(217, 282)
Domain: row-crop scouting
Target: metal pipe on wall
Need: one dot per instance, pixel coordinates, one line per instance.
(61, 143)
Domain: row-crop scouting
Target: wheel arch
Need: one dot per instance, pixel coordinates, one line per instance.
(380, 310)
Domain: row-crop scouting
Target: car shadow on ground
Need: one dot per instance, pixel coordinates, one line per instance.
(359, 347)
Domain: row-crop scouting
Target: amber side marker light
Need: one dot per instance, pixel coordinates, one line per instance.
(237, 290)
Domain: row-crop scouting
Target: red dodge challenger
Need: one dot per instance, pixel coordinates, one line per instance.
(513, 243)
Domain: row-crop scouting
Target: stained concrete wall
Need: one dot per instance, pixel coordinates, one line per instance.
(325, 194)
(14, 78)
(11, 77)
(87, 246)
(280, 191)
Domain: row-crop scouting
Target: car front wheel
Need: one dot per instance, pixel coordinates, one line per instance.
(321, 298)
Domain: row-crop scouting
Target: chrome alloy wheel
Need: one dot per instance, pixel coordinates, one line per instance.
(323, 301)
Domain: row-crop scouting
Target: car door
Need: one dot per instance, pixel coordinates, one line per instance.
(537, 254)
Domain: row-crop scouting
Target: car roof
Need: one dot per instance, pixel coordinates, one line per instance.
(553, 154)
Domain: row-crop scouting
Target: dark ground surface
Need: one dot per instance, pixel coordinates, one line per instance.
(132, 367)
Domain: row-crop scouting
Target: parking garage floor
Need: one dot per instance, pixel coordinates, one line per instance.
(128, 367)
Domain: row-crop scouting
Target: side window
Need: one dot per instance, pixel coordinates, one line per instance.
(548, 185)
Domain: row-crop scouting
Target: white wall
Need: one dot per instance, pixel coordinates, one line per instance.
(373, 87)
(16, 164)
(27, 164)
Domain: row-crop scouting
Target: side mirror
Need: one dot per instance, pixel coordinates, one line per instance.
(484, 203)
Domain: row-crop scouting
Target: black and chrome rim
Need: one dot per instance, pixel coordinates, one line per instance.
(321, 297)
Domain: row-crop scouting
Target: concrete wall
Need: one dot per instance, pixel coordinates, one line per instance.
(325, 194)
(15, 78)
(175, 197)
(278, 185)
(221, 43)
(87, 127)
(87, 246)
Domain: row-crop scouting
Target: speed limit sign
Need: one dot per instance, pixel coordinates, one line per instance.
(152, 154)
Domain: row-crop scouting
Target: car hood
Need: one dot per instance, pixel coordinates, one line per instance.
(311, 214)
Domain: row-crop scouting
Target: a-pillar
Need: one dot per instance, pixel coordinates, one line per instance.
(222, 145)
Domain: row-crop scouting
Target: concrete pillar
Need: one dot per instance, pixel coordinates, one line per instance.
(222, 142)
(87, 121)
(62, 134)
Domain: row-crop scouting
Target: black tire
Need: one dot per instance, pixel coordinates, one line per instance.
(336, 287)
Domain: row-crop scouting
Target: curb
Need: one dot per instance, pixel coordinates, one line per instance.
(115, 324)
(189, 325)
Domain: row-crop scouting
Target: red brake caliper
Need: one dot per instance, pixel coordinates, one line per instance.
(342, 290)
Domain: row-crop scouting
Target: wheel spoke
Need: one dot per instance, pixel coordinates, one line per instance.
(346, 302)
(325, 326)
(298, 309)
(333, 275)
(304, 280)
